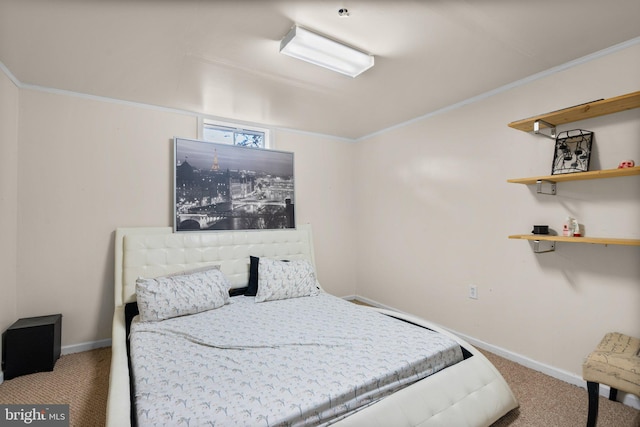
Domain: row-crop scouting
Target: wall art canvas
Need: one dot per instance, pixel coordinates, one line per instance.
(230, 187)
(572, 152)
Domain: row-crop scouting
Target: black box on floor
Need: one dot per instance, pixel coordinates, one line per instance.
(31, 345)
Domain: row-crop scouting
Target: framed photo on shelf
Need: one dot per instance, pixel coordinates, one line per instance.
(572, 152)
(231, 187)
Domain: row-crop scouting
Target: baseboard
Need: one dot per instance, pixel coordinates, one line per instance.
(85, 346)
(559, 374)
(562, 375)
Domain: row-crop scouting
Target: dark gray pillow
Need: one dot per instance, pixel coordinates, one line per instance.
(252, 287)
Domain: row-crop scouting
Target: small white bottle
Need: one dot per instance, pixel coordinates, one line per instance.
(575, 228)
(567, 227)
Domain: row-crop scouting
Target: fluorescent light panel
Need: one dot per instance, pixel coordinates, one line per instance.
(319, 50)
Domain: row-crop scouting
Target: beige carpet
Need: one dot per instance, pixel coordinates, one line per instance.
(546, 401)
(82, 380)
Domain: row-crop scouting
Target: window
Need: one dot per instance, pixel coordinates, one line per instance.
(227, 133)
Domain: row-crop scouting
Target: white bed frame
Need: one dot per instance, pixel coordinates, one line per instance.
(469, 393)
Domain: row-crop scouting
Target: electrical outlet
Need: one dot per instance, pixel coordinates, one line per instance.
(473, 292)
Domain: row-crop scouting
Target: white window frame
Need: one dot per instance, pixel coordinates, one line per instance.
(202, 122)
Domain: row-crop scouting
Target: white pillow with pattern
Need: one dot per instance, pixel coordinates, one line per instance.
(166, 297)
(285, 279)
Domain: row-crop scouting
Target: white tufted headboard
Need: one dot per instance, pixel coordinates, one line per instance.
(156, 251)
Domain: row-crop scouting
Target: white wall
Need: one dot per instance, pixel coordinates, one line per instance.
(408, 218)
(9, 98)
(324, 198)
(87, 166)
(434, 211)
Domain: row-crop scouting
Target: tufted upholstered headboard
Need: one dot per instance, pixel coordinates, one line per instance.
(156, 251)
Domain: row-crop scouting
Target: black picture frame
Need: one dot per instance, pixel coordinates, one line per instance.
(230, 187)
(572, 152)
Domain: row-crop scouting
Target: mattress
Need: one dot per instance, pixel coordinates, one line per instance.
(301, 361)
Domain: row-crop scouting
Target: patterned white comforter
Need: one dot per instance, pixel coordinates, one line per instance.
(301, 361)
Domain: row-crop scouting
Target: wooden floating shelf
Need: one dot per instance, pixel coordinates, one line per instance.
(581, 112)
(560, 117)
(579, 176)
(566, 239)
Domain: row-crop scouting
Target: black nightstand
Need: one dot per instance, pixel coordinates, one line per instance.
(31, 345)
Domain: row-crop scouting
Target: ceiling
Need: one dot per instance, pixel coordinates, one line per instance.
(220, 58)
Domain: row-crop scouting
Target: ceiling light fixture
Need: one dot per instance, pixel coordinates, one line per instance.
(319, 50)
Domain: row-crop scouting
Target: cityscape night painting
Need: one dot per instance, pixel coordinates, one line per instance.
(230, 187)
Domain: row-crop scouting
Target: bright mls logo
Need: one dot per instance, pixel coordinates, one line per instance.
(34, 415)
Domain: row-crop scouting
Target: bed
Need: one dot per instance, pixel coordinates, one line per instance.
(466, 390)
